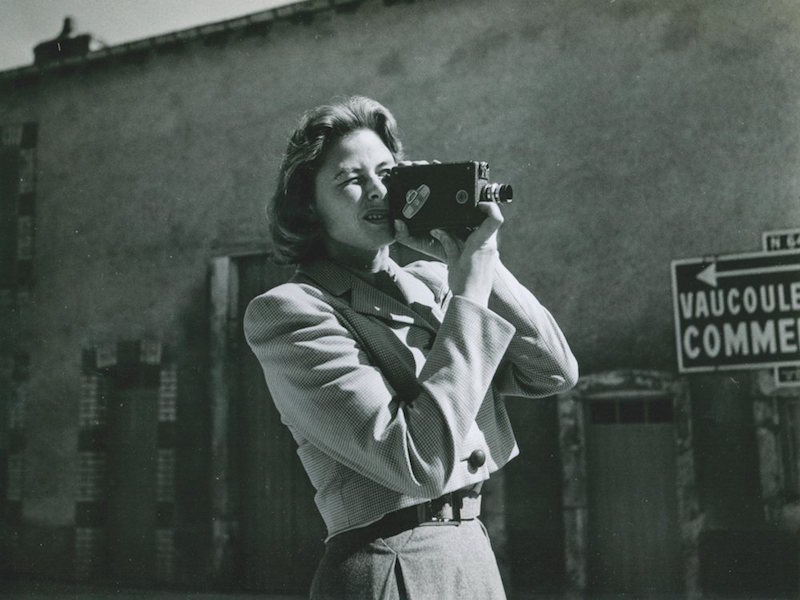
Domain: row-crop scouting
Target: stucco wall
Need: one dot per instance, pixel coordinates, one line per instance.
(634, 132)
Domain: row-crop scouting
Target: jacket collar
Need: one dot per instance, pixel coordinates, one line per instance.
(367, 299)
(327, 274)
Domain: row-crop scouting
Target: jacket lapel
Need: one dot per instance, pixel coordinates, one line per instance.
(368, 300)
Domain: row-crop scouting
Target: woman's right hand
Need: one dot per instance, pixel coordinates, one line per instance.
(471, 263)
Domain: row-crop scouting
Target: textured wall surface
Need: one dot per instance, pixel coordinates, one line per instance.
(633, 131)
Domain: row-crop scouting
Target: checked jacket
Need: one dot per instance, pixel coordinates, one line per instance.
(388, 399)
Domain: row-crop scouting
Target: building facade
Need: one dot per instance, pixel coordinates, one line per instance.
(138, 443)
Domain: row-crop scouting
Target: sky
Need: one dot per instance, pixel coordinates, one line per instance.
(25, 23)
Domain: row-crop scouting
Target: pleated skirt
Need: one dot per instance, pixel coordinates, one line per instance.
(428, 562)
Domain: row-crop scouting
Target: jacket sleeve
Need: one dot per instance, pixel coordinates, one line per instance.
(327, 391)
(539, 360)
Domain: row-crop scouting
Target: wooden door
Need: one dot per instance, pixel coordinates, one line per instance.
(132, 461)
(281, 532)
(634, 543)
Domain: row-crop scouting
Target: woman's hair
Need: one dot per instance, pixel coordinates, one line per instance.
(295, 232)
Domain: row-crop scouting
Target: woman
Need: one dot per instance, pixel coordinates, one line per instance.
(391, 379)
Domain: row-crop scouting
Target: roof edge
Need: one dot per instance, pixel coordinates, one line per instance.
(300, 12)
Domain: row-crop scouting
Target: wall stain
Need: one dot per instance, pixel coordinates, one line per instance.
(391, 64)
(532, 31)
(475, 52)
(684, 27)
(730, 54)
(627, 9)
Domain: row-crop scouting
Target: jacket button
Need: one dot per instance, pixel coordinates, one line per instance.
(477, 459)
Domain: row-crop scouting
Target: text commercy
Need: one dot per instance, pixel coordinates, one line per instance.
(741, 321)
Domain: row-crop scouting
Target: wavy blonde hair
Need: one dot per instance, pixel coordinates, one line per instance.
(294, 231)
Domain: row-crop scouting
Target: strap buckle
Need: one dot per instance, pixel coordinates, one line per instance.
(445, 510)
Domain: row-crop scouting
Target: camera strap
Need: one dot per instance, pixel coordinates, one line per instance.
(403, 380)
(377, 345)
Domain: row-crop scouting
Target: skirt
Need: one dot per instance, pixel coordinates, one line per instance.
(436, 562)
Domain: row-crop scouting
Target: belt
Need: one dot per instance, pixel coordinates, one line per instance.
(450, 509)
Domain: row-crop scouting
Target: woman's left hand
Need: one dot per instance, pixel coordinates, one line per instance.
(427, 245)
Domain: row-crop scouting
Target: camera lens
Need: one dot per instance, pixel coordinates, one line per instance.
(505, 193)
(497, 192)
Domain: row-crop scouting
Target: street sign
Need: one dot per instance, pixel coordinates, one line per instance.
(787, 376)
(783, 239)
(739, 311)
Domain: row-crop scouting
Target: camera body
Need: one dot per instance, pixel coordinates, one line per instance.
(443, 195)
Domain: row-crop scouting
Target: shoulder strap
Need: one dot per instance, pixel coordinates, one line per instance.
(399, 377)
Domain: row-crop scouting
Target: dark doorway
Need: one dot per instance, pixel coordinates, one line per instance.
(132, 462)
(280, 531)
(634, 540)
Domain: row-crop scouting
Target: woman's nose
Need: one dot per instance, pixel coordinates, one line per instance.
(376, 189)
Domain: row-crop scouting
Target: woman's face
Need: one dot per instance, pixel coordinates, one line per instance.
(350, 197)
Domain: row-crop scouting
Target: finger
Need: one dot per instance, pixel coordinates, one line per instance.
(401, 230)
(490, 225)
(494, 216)
(426, 245)
(408, 163)
(492, 211)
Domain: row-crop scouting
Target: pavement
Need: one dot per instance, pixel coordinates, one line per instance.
(50, 591)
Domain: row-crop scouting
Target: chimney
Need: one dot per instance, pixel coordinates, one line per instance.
(62, 46)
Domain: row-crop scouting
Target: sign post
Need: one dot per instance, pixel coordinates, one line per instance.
(739, 311)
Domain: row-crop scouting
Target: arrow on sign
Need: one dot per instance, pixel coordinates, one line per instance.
(710, 275)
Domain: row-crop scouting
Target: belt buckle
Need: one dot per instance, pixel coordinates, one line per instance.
(430, 519)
